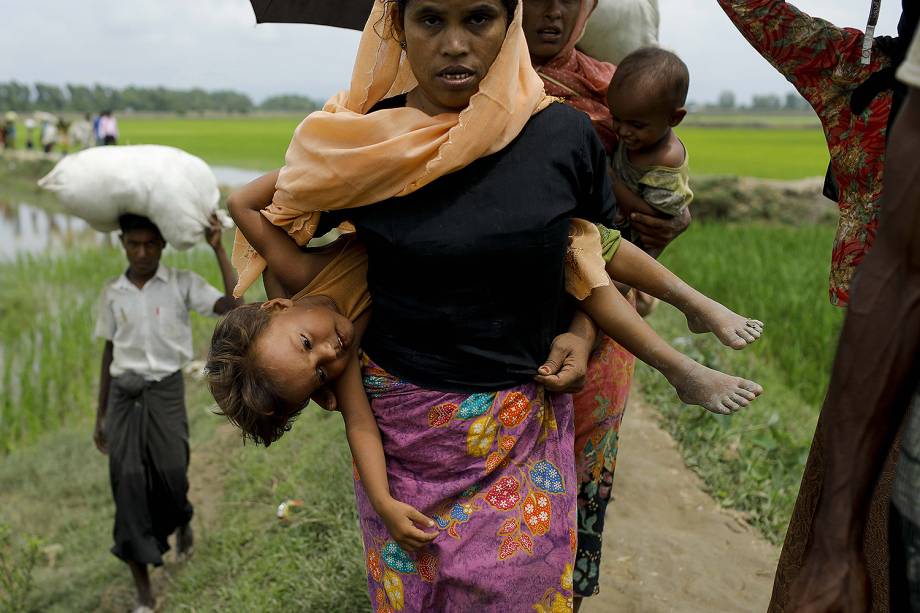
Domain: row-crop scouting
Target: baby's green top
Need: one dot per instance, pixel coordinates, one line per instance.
(664, 188)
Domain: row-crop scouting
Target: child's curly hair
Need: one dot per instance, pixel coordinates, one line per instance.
(245, 395)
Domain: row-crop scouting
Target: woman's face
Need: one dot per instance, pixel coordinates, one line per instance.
(548, 26)
(451, 45)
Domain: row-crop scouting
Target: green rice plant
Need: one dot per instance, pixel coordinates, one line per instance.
(49, 360)
(313, 561)
(770, 154)
(18, 557)
(246, 142)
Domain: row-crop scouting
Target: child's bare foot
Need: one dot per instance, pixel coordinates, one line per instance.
(731, 329)
(713, 390)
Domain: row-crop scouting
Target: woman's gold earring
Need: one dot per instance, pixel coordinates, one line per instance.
(402, 45)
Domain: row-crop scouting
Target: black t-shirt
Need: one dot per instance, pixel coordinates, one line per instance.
(466, 274)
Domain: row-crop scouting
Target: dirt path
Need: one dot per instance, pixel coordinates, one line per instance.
(668, 546)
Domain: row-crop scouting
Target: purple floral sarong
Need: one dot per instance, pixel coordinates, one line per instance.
(496, 471)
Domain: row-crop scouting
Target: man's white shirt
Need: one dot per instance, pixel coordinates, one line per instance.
(149, 327)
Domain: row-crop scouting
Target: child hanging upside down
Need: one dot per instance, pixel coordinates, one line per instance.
(267, 360)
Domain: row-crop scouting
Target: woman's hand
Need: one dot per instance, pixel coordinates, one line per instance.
(567, 364)
(402, 520)
(657, 232)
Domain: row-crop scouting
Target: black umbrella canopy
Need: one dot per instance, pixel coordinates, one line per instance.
(351, 14)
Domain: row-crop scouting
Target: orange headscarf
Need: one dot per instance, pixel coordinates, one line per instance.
(342, 157)
(581, 80)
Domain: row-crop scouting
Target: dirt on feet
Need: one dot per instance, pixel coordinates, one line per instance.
(668, 547)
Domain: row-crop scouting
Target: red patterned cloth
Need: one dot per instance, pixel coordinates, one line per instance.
(582, 82)
(822, 61)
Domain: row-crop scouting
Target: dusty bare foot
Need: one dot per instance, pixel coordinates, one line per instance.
(713, 390)
(731, 329)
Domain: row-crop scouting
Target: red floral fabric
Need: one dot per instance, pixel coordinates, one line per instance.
(582, 82)
(822, 61)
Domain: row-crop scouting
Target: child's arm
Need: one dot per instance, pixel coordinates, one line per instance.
(367, 449)
(291, 266)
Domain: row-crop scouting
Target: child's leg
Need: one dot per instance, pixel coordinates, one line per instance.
(695, 383)
(632, 266)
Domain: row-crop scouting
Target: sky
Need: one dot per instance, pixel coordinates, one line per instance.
(215, 44)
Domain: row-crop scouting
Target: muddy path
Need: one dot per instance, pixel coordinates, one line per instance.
(668, 547)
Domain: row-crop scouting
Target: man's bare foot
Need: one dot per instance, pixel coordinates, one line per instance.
(713, 390)
(731, 329)
(185, 539)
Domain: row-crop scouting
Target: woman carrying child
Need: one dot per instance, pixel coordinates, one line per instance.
(552, 28)
(465, 479)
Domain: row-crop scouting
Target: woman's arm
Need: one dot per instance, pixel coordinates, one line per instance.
(292, 267)
(804, 49)
(367, 450)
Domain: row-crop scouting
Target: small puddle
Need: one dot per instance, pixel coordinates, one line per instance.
(28, 229)
(231, 176)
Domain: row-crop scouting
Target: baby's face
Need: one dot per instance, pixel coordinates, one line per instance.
(304, 346)
(639, 121)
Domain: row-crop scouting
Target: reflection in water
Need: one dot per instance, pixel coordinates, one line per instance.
(235, 177)
(27, 229)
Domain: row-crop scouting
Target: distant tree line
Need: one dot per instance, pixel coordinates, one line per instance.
(793, 101)
(88, 99)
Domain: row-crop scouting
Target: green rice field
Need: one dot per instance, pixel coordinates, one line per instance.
(753, 460)
(260, 143)
(248, 142)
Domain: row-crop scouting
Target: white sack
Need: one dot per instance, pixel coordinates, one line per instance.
(619, 27)
(175, 189)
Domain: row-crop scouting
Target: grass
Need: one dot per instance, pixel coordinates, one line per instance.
(804, 120)
(767, 146)
(753, 461)
(49, 362)
(245, 559)
(251, 142)
(55, 483)
(769, 154)
(314, 562)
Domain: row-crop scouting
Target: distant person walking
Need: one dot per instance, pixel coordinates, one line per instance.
(9, 131)
(80, 134)
(108, 128)
(29, 125)
(49, 135)
(96, 133)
